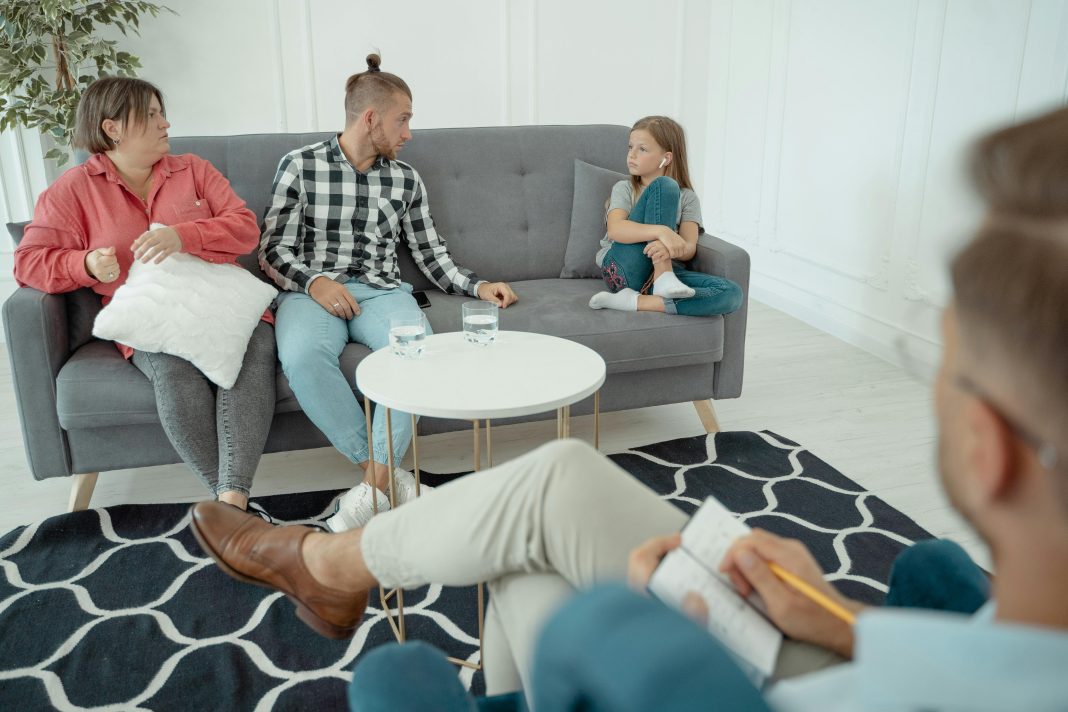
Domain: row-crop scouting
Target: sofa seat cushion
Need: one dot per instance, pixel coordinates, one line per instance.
(628, 341)
(98, 388)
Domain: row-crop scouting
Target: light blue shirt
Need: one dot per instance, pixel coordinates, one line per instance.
(907, 660)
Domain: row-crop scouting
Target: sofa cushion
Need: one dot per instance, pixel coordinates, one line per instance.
(628, 341)
(501, 196)
(16, 230)
(593, 185)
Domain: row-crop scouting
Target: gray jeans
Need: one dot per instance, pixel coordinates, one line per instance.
(536, 529)
(218, 432)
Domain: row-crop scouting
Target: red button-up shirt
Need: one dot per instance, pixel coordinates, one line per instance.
(90, 207)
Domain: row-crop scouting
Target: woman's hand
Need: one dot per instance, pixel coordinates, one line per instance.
(644, 560)
(746, 563)
(102, 264)
(157, 245)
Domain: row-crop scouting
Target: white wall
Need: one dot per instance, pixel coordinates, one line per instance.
(826, 136)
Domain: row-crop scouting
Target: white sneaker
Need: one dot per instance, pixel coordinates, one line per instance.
(404, 482)
(354, 508)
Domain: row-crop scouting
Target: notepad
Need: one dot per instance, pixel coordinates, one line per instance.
(694, 566)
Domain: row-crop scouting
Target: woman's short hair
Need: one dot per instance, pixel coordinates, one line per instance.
(372, 88)
(116, 98)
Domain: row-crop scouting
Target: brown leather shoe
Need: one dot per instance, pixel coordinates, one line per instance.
(253, 551)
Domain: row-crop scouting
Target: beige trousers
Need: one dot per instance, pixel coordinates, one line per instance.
(536, 529)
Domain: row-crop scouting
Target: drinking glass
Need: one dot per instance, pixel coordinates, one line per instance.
(407, 334)
(480, 322)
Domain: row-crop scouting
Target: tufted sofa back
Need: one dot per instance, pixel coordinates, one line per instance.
(501, 196)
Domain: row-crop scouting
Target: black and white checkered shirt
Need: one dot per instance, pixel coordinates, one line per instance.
(327, 218)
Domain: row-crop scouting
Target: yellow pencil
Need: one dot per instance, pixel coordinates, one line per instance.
(812, 594)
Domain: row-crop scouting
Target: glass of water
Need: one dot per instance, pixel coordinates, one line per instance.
(480, 322)
(407, 334)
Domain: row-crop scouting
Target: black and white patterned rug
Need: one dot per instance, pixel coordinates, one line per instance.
(119, 608)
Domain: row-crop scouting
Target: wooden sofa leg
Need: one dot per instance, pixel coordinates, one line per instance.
(707, 415)
(81, 491)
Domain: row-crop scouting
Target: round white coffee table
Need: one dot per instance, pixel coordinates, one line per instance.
(521, 373)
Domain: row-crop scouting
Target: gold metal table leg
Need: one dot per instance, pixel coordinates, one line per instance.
(597, 420)
(415, 454)
(489, 443)
(478, 445)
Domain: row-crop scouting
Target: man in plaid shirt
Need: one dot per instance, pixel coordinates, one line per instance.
(337, 212)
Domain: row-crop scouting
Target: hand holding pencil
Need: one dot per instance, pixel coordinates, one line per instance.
(790, 582)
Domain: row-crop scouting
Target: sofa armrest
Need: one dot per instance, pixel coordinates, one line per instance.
(721, 258)
(38, 344)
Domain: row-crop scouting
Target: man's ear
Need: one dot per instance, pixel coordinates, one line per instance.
(992, 455)
(367, 118)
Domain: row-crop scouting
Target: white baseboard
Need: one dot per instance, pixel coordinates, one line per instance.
(916, 353)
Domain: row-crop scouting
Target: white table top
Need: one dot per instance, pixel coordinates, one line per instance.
(519, 374)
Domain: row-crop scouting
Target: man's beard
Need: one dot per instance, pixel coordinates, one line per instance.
(380, 143)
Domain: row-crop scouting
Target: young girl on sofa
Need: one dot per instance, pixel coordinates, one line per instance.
(654, 219)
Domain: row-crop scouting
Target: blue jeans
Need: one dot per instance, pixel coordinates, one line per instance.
(626, 264)
(310, 342)
(613, 649)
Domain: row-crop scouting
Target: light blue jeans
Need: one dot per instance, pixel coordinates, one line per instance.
(310, 342)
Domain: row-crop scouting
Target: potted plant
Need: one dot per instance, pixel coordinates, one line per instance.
(50, 50)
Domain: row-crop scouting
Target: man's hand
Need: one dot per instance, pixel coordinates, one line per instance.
(746, 563)
(158, 245)
(497, 292)
(334, 298)
(102, 265)
(646, 558)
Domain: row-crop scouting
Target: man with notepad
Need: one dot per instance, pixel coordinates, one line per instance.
(564, 518)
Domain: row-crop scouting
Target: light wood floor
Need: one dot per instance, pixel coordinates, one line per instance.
(863, 415)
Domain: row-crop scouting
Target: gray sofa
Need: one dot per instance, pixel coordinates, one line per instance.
(503, 199)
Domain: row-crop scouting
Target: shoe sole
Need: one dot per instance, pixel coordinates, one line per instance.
(321, 626)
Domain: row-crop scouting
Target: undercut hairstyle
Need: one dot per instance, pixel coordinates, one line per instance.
(123, 99)
(372, 89)
(1011, 282)
(669, 135)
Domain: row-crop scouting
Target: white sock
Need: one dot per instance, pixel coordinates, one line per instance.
(625, 299)
(668, 286)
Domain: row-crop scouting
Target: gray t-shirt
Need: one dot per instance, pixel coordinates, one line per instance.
(623, 199)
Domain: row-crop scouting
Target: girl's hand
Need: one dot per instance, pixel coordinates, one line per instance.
(674, 243)
(158, 244)
(657, 252)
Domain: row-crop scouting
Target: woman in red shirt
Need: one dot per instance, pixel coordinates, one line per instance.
(94, 221)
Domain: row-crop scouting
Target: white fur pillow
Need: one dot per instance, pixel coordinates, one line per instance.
(184, 306)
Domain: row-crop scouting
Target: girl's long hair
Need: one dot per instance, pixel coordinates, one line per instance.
(669, 136)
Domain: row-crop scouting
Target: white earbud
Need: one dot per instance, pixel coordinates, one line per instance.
(663, 162)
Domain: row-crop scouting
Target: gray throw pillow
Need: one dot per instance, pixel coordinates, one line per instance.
(593, 185)
(16, 230)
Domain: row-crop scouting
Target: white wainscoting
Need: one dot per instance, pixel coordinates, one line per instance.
(826, 136)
